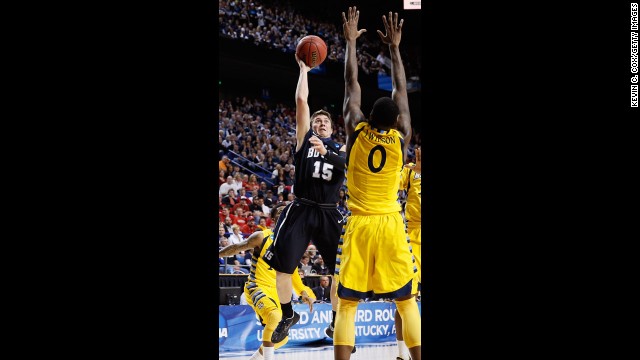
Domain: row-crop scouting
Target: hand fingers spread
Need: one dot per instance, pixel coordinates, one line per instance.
(401, 22)
(344, 18)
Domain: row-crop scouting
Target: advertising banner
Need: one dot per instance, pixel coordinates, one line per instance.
(240, 330)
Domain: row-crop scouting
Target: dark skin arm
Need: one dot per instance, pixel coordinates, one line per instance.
(352, 93)
(252, 241)
(392, 36)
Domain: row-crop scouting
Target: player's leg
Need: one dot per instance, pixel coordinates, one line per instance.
(329, 245)
(403, 351)
(265, 302)
(395, 276)
(353, 267)
(415, 241)
(289, 317)
(415, 237)
(290, 242)
(345, 329)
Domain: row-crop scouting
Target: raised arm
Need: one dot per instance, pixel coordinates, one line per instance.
(352, 93)
(252, 241)
(303, 120)
(392, 37)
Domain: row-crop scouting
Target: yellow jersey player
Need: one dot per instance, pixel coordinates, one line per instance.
(260, 288)
(411, 183)
(374, 256)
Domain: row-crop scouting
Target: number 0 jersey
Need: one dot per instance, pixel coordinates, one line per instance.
(374, 162)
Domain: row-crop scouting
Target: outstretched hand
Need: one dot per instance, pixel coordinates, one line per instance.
(306, 299)
(393, 30)
(417, 168)
(302, 65)
(350, 25)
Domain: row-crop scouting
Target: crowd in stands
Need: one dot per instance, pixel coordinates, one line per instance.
(279, 26)
(256, 172)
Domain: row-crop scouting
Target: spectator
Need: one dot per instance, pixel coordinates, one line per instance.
(228, 225)
(275, 172)
(222, 177)
(242, 204)
(221, 233)
(262, 223)
(319, 267)
(263, 189)
(342, 202)
(228, 185)
(236, 268)
(304, 261)
(248, 255)
(224, 213)
(253, 185)
(240, 219)
(237, 182)
(250, 227)
(230, 198)
(312, 251)
(223, 165)
(323, 290)
(268, 199)
(224, 261)
(256, 204)
(290, 178)
(235, 237)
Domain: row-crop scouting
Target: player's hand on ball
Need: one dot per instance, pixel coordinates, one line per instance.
(302, 65)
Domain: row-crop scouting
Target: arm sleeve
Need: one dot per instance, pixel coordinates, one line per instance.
(298, 286)
(336, 159)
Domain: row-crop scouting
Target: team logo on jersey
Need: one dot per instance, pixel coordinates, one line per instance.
(260, 305)
(417, 176)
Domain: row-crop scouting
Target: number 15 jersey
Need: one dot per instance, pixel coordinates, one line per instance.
(373, 168)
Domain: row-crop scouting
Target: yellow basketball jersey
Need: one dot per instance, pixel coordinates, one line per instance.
(412, 184)
(263, 276)
(261, 273)
(374, 163)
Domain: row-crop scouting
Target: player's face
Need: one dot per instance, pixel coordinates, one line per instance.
(322, 125)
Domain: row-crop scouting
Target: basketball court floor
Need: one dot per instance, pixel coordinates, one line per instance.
(383, 351)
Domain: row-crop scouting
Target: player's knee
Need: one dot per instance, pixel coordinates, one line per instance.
(347, 304)
(273, 318)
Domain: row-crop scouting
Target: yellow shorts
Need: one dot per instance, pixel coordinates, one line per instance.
(374, 257)
(415, 239)
(263, 301)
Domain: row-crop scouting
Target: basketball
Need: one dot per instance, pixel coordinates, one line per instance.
(312, 50)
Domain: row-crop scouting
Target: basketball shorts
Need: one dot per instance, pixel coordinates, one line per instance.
(262, 300)
(414, 231)
(302, 222)
(375, 258)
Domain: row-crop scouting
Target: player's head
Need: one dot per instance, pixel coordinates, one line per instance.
(384, 114)
(276, 211)
(322, 124)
